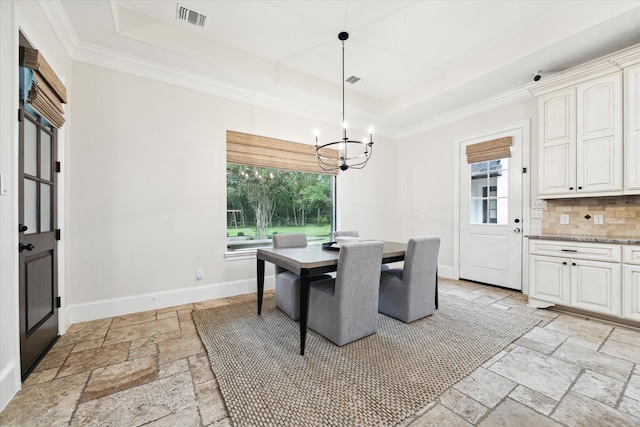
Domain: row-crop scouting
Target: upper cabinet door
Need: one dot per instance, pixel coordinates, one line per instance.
(557, 143)
(632, 135)
(599, 135)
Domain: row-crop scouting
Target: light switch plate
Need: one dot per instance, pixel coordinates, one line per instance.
(597, 219)
(564, 219)
(540, 205)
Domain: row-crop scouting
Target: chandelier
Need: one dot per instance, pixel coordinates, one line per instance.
(351, 153)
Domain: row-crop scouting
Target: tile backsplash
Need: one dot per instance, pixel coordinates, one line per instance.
(620, 216)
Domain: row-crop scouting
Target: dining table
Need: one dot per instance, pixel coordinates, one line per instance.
(309, 262)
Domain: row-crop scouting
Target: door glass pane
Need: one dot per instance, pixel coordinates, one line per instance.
(502, 184)
(30, 148)
(476, 214)
(45, 207)
(489, 192)
(30, 206)
(45, 155)
(478, 186)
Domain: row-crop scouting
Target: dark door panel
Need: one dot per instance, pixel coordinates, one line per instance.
(37, 248)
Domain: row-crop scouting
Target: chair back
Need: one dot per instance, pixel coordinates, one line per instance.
(293, 240)
(420, 265)
(358, 275)
(345, 233)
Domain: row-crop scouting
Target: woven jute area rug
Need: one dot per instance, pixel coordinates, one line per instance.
(375, 381)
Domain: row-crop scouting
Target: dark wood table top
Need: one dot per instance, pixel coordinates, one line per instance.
(315, 256)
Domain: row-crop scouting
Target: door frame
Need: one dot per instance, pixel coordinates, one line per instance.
(524, 127)
(23, 27)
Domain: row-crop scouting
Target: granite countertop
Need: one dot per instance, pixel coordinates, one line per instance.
(589, 239)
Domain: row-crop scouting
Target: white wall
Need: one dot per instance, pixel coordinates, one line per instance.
(30, 19)
(148, 191)
(425, 175)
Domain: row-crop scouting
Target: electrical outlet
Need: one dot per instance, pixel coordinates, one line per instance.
(597, 220)
(199, 273)
(564, 219)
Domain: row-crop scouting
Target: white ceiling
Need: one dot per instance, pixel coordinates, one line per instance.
(418, 60)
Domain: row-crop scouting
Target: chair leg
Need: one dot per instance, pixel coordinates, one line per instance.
(436, 288)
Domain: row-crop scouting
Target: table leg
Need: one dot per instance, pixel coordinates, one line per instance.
(304, 310)
(260, 275)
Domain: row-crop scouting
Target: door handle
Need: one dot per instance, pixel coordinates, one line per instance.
(28, 247)
(22, 228)
(517, 230)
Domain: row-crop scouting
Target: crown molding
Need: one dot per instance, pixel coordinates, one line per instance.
(470, 110)
(55, 13)
(110, 59)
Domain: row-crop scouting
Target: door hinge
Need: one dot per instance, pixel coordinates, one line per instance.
(58, 167)
(20, 114)
(58, 302)
(58, 234)
(524, 170)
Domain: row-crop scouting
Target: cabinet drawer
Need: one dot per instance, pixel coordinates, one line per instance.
(631, 255)
(578, 250)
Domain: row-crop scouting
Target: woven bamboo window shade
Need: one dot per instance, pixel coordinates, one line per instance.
(260, 151)
(47, 93)
(489, 150)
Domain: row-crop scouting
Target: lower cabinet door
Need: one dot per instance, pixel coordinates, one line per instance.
(595, 286)
(631, 292)
(549, 279)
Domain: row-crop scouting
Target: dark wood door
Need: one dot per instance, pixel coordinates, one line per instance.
(37, 242)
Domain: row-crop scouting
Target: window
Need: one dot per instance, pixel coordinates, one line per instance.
(275, 186)
(489, 198)
(264, 201)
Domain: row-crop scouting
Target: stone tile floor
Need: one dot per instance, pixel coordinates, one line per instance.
(151, 369)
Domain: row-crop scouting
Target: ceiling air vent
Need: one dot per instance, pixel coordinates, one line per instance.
(352, 79)
(191, 16)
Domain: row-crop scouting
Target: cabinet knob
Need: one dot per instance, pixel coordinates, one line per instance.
(579, 188)
(573, 263)
(564, 263)
(570, 188)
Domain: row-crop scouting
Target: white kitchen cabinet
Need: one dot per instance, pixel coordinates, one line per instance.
(632, 134)
(580, 139)
(575, 274)
(631, 292)
(549, 279)
(557, 143)
(631, 282)
(595, 286)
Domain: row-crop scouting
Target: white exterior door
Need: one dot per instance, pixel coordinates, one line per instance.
(491, 216)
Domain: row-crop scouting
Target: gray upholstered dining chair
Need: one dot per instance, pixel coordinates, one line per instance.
(410, 293)
(345, 233)
(345, 309)
(287, 282)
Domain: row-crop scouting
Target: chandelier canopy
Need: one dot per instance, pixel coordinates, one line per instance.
(351, 153)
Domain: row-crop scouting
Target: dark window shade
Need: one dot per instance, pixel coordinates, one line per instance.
(260, 151)
(489, 150)
(47, 93)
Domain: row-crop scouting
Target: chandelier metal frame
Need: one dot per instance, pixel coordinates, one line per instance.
(362, 149)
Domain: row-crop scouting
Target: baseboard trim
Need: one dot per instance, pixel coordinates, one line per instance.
(126, 305)
(9, 384)
(446, 271)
